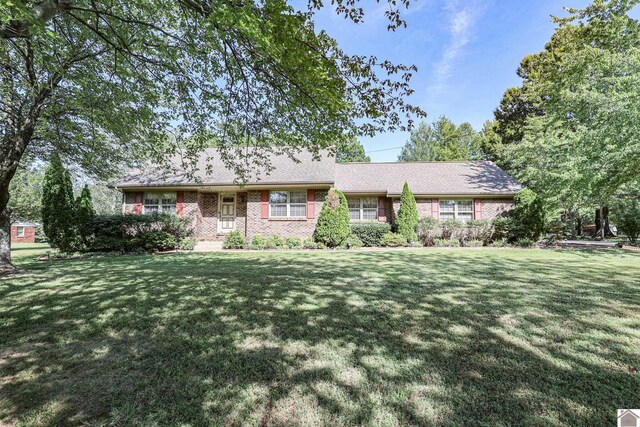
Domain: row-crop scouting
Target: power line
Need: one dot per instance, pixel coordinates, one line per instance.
(384, 149)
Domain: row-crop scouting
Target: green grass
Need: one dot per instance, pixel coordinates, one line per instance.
(424, 337)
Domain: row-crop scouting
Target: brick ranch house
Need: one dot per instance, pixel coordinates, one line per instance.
(287, 201)
(23, 232)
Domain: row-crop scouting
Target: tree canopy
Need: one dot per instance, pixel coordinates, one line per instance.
(102, 83)
(441, 140)
(583, 143)
(351, 150)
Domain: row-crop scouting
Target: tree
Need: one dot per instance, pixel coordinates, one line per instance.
(101, 82)
(26, 194)
(407, 220)
(84, 214)
(625, 214)
(585, 143)
(351, 150)
(528, 216)
(333, 225)
(58, 219)
(441, 140)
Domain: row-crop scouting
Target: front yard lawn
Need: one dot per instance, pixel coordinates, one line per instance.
(425, 337)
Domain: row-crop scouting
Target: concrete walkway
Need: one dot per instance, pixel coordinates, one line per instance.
(208, 247)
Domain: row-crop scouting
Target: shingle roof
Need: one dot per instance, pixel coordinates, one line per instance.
(426, 178)
(211, 170)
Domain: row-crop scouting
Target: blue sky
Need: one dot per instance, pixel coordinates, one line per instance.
(466, 51)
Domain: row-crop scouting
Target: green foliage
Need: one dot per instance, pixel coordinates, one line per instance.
(58, 206)
(333, 222)
(481, 230)
(187, 244)
(309, 243)
(502, 228)
(320, 245)
(26, 194)
(407, 220)
(453, 229)
(351, 150)
(275, 242)
(84, 213)
(528, 215)
(351, 242)
(524, 242)
(473, 243)
(441, 140)
(447, 243)
(370, 234)
(577, 113)
(233, 240)
(625, 214)
(258, 242)
(500, 243)
(428, 230)
(294, 243)
(138, 233)
(394, 240)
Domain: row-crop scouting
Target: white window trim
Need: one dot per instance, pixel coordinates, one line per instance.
(20, 230)
(455, 209)
(288, 204)
(362, 209)
(160, 205)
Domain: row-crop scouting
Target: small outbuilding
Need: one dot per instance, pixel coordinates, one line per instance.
(23, 232)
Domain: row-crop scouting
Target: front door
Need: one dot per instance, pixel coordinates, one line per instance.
(227, 213)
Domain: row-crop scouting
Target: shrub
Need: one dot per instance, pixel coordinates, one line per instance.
(478, 230)
(309, 243)
(407, 220)
(524, 242)
(275, 242)
(499, 243)
(84, 214)
(321, 245)
(351, 242)
(393, 240)
(258, 242)
(294, 243)
(370, 233)
(58, 206)
(625, 214)
(333, 222)
(452, 229)
(528, 216)
(450, 243)
(473, 243)
(137, 233)
(429, 229)
(154, 240)
(233, 240)
(187, 244)
(502, 228)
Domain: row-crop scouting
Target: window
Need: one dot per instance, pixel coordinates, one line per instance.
(159, 202)
(462, 210)
(288, 204)
(363, 208)
(19, 231)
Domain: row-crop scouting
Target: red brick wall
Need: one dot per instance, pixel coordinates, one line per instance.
(29, 235)
(491, 208)
(303, 227)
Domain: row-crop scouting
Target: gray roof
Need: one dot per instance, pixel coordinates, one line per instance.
(424, 178)
(211, 170)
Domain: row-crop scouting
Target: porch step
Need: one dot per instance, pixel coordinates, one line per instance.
(208, 246)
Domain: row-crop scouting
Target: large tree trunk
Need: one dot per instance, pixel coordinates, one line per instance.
(5, 230)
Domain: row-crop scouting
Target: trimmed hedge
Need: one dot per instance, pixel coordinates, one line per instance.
(137, 233)
(371, 233)
(233, 240)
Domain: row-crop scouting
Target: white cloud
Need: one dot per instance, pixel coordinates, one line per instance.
(461, 22)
